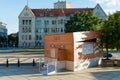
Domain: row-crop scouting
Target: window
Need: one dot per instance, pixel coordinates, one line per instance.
(61, 29)
(46, 22)
(38, 22)
(23, 22)
(23, 29)
(52, 30)
(48, 29)
(58, 29)
(29, 37)
(65, 21)
(29, 44)
(26, 22)
(22, 37)
(26, 37)
(26, 29)
(55, 29)
(38, 44)
(29, 22)
(38, 37)
(45, 29)
(24, 44)
(39, 30)
(58, 21)
(54, 22)
(61, 21)
(29, 29)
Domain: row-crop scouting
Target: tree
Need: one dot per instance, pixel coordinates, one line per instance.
(13, 40)
(3, 41)
(83, 21)
(111, 31)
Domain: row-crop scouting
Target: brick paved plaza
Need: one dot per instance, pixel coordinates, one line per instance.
(32, 73)
(28, 72)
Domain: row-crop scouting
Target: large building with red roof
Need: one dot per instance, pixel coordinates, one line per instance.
(35, 23)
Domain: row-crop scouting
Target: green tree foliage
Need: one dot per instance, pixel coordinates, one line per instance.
(111, 33)
(83, 21)
(3, 41)
(13, 40)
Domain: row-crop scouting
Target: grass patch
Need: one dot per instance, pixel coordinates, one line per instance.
(104, 49)
(28, 50)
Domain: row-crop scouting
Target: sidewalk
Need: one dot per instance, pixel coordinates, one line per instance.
(32, 73)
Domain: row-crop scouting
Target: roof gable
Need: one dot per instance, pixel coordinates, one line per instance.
(98, 11)
(26, 12)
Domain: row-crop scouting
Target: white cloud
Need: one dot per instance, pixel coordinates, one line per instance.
(12, 28)
(108, 3)
(109, 11)
(98, 1)
(112, 3)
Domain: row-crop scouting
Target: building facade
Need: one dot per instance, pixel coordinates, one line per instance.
(3, 34)
(35, 23)
(3, 29)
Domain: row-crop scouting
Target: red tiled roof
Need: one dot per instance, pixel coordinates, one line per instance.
(58, 12)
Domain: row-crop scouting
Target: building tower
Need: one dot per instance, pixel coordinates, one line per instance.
(62, 4)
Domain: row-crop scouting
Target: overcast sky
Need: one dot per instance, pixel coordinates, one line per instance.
(10, 9)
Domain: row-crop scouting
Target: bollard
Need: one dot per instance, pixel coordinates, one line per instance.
(18, 63)
(33, 62)
(7, 63)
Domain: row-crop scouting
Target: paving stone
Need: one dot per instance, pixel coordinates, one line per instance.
(31, 73)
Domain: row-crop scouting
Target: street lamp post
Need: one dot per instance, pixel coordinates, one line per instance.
(107, 47)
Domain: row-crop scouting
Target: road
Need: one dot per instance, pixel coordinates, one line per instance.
(9, 53)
